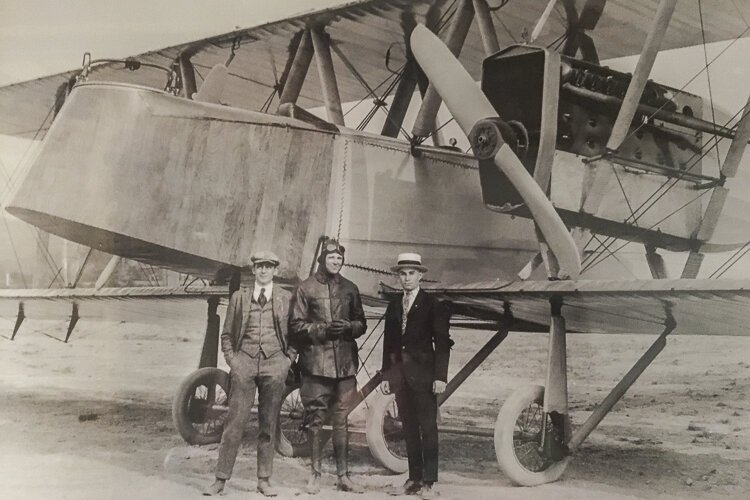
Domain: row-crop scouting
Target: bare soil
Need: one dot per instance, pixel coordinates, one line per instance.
(91, 418)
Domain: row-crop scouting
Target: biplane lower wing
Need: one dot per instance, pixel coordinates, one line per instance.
(180, 305)
(698, 307)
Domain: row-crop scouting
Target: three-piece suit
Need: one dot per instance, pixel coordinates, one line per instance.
(255, 344)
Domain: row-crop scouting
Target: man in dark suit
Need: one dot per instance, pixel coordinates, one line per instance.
(256, 348)
(416, 351)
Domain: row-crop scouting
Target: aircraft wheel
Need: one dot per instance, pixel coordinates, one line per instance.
(201, 405)
(518, 431)
(385, 436)
(291, 440)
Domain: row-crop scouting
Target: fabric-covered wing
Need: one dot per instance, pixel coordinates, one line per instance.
(366, 31)
(183, 305)
(699, 307)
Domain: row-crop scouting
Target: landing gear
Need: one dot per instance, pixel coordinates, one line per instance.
(201, 406)
(385, 436)
(523, 456)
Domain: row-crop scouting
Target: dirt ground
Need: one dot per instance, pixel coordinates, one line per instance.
(91, 418)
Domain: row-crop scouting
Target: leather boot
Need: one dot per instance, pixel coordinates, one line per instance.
(313, 484)
(216, 488)
(341, 450)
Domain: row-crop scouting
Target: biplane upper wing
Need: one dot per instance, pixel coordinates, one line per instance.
(371, 34)
(698, 307)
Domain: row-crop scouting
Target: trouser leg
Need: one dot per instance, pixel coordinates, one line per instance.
(241, 397)
(426, 413)
(316, 394)
(407, 414)
(271, 385)
(345, 391)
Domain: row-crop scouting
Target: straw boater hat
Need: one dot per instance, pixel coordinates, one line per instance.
(409, 261)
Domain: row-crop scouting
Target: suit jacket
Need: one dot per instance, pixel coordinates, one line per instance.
(237, 317)
(420, 354)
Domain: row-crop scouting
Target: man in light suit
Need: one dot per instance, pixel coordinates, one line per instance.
(255, 345)
(416, 352)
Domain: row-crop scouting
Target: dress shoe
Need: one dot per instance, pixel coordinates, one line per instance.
(216, 488)
(427, 492)
(346, 484)
(410, 487)
(313, 484)
(265, 488)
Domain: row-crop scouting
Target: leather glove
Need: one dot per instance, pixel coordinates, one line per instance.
(438, 387)
(385, 386)
(344, 325)
(333, 331)
(339, 328)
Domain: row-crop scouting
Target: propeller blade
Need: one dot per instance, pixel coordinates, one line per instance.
(450, 79)
(213, 85)
(470, 107)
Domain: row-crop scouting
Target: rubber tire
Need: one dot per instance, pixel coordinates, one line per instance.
(379, 404)
(504, 449)
(297, 449)
(186, 390)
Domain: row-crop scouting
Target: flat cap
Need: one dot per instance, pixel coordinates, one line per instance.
(264, 256)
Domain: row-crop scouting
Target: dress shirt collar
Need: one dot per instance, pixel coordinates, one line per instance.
(268, 290)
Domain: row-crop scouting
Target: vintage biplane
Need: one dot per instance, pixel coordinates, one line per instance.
(145, 161)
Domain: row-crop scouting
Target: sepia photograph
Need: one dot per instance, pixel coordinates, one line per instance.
(374, 249)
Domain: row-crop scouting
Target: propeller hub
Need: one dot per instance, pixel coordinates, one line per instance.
(487, 136)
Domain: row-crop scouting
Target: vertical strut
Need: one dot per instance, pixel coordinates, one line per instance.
(298, 71)
(19, 319)
(556, 387)
(321, 43)
(425, 121)
(210, 351)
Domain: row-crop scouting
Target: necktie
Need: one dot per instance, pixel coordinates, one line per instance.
(405, 304)
(262, 297)
(407, 297)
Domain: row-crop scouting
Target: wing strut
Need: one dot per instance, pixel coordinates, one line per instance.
(425, 121)
(640, 75)
(719, 195)
(74, 317)
(321, 43)
(19, 319)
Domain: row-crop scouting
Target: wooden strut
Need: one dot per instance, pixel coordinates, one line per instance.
(640, 75)
(556, 386)
(619, 390)
(19, 319)
(321, 43)
(210, 351)
(187, 75)
(425, 121)
(486, 27)
(298, 71)
(74, 317)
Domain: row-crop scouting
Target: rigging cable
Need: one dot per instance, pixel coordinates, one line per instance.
(708, 79)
